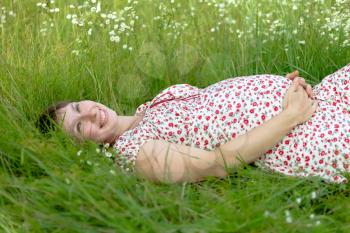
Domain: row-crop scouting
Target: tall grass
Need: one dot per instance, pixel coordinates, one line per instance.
(48, 55)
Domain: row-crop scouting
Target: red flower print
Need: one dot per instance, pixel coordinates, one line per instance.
(246, 121)
(334, 165)
(320, 161)
(336, 152)
(251, 110)
(171, 124)
(267, 104)
(255, 104)
(238, 105)
(179, 132)
(217, 111)
(195, 129)
(263, 117)
(286, 142)
(233, 135)
(170, 133)
(275, 108)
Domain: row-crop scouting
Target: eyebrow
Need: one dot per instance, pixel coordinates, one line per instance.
(72, 126)
(71, 104)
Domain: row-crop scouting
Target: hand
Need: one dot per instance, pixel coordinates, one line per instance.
(299, 105)
(307, 87)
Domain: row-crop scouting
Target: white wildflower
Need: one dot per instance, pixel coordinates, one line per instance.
(75, 52)
(89, 31)
(112, 172)
(288, 216)
(312, 216)
(318, 223)
(98, 150)
(67, 181)
(125, 46)
(301, 42)
(298, 200)
(89, 162)
(313, 195)
(98, 7)
(267, 213)
(108, 154)
(79, 152)
(106, 145)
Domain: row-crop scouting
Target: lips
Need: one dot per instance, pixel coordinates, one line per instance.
(103, 118)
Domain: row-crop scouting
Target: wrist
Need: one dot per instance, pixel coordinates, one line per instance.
(290, 117)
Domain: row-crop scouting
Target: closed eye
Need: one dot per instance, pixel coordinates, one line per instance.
(77, 107)
(79, 127)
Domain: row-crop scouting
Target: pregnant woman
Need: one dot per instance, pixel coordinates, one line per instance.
(187, 134)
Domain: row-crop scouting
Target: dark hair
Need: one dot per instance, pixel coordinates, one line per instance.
(47, 119)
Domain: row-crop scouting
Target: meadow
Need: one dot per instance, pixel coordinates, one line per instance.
(122, 53)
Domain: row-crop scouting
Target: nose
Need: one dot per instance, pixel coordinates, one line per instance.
(91, 114)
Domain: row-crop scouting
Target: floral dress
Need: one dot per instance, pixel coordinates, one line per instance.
(206, 118)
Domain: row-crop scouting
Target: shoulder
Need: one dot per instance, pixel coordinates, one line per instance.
(129, 144)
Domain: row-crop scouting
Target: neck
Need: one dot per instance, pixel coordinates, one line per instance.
(126, 123)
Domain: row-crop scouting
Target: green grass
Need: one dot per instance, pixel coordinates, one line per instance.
(46, 187)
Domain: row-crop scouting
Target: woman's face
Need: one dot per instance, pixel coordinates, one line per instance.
(88, 120)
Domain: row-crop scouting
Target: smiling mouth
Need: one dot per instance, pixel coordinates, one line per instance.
(103, 118)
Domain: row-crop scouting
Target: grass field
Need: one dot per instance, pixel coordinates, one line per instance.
(122, 53)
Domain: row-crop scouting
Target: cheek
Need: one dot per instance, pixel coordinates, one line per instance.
(96, 132)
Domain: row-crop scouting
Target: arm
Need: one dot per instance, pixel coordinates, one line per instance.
(250, 146)
(162, 161)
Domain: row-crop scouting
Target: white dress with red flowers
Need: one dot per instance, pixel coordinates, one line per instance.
(208, 117)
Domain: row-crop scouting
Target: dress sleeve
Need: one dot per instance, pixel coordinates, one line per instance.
(175, 91)
(142, 107)
(128, 145)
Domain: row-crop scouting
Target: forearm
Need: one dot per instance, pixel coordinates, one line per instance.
(250, 146)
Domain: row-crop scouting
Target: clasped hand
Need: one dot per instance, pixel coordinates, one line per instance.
(298, 100)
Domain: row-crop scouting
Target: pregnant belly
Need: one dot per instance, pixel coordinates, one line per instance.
(246, 102)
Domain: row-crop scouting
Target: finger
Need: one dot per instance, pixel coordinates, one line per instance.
(292, 75)
(309, 91)
(294, 86)
(314, 106)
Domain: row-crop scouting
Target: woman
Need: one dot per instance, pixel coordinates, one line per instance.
(187, 134)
